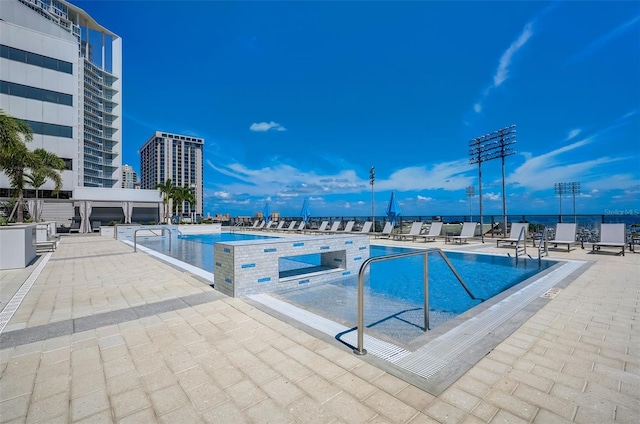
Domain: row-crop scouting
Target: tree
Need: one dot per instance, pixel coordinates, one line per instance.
(16, 159)
(52, 165)
(181, 195)
(167, 189)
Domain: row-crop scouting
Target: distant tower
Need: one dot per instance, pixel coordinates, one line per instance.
(176, 157)
(129, 177)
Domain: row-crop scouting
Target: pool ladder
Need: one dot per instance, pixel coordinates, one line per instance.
(425, 279)
(152, 230)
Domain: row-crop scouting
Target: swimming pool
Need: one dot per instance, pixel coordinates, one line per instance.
(393, 289)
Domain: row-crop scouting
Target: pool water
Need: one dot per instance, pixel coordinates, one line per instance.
(393, 289)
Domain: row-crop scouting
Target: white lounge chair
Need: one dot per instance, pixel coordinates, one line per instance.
(611, 235)
(468, 231)
(414, 231)
(278, 228)
(366, 228)
(434, 231)
(386, 231)
(321, 229)
(260, 226)
(347, 228)
(565, 234)
(514, 234)
(291, 227)
(300, 227)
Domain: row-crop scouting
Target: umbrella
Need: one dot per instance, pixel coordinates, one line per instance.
(393, 211)
(266, 212)
(305, 213)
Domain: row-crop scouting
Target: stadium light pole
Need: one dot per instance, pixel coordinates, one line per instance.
(487, 147)
(560, 189)
(471, 191)
(372, 178)
(574, 188)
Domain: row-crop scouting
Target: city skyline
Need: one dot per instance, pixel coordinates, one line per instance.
(299, 100)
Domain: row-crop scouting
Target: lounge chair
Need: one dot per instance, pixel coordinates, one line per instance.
(321, 229)
(269, 226)
(565, 234)
(300, 228)
(95, 226)
(291, 227)
(260, 226)
(366, 228)
(255, 223)
(347, 228)
(75, 227)
(414, 231)
(279, 227)
(434, 231)
(611, 235)
(387, 231)
(468, 231)
(516, 228)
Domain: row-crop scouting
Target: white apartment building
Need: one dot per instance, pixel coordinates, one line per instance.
(176, 157)
(61, 72)
(129, 177)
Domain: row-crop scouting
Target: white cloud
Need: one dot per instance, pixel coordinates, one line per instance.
(502, 73)
(573, 134)
(221, 194)
(492, 196)
(602, 41)
(347, 205)
(446, 176)
(423, 198)
(266, 126)
(477, 107)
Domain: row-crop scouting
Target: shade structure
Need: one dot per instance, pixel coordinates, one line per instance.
(393, 210)
(305, 213)
(266, 212)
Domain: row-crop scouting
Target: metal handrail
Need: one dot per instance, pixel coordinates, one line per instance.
(135, 236)
(543, 242)
(425, 252)
(521, 237)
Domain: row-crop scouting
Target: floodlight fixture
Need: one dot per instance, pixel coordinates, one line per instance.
(488, 147)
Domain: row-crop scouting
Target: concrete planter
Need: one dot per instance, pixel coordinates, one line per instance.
(17, 244)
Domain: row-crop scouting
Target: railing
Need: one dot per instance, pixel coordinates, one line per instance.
(543, 244)
(521, 238)
(135, 236)
(425, 252)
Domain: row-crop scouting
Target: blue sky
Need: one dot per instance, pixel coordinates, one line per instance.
(299, 99)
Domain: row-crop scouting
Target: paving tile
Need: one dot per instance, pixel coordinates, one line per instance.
(226, 412)
(389, 383)
(415, 397)
(158, 380)
(511, 404)
(444, 412)
(13, 386)
(354, 385)
(144, 416)
(393, 409)
(184, 414)
(168, 399)
(83, 384)
(260, 373)
(245, 394)
(46, 409)
(318, 388)
(268, 411)
(460, 399)
(367, 371)
(349, 408)
(282, 391)
(50, 387)
(129, 402)
(226, 376)
(484, 411)
(88, 405)
(307, 410)
(103, 417)
(206, 396)
(292, 369)
(15, 408)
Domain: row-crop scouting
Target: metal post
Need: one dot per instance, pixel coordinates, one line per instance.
(504, 200)
(372, 178)
(425, 280)
(480, 199)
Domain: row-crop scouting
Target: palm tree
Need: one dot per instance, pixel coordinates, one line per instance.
(16, 159)
(52, 165)
(167, 189)
(181, 195)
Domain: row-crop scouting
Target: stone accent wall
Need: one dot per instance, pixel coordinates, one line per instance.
(243, 268)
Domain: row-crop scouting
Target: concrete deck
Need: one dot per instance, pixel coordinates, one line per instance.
(108, 335)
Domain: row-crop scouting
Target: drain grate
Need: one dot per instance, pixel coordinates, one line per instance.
(551, 293)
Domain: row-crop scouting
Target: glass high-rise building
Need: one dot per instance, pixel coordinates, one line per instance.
(176, 157)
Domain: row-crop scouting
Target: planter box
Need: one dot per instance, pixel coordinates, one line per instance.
(17, 244)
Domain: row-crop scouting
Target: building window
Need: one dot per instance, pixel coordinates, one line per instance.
(29, 92)
(18, 55)
(45, 128)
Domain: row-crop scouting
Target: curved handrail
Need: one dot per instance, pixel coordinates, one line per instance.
(425, 252)
(521, 236)
(135, 236)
